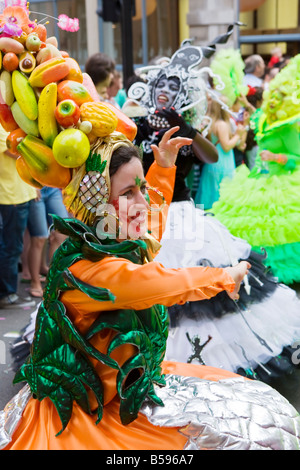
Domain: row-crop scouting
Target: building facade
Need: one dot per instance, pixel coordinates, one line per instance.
(159, 26)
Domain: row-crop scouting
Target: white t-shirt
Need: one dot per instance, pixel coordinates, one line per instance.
(253, 81)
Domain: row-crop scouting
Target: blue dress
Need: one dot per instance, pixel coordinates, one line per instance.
(213, 174)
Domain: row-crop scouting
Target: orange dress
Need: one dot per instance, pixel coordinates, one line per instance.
(134, 287)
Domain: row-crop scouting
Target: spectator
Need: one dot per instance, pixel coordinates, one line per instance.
(40, 210)
(276, 57)
(15, 197)
(101, 68)
(254, 70)
(225, 140)
(269, 75)
(255, 98)
(116, 94)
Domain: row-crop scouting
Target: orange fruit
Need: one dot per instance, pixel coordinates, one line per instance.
(10, 61)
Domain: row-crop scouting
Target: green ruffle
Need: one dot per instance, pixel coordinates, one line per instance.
(265, 211)
(283, 261)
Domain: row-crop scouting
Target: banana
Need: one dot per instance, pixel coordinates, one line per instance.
(27, 125)
(6, 88)
(25, 95)
(46, 106)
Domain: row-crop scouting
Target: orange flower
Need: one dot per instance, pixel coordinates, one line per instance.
(17, 16)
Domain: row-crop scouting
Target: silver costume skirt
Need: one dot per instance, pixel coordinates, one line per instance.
(231, 414)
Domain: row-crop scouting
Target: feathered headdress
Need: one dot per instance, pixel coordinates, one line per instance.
(281, 102)
(229, 66)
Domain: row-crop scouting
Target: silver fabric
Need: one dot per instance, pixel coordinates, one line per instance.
(231, 414)
(12, 414)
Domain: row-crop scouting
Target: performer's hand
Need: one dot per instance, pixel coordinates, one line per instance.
(166, 152)
(268, 156)
(237, 273)
(175, 119)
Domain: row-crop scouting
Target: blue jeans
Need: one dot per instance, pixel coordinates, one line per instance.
(50, 202)
(13, 222)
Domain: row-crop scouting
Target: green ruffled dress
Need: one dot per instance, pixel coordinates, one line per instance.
(262, 206)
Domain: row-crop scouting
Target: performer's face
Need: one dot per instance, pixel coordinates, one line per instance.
(129, 197)
(165, 92)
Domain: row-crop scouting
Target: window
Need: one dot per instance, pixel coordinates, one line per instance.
(155, 32)
(74, 43)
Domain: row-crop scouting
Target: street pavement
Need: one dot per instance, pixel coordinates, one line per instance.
(14, 320)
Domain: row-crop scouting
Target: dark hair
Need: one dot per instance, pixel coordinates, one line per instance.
(99, 66)
(255, 98)
(121, 156)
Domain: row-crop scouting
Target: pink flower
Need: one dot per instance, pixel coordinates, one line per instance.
(68, 24)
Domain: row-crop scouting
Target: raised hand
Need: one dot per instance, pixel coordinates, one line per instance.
(166, 152)
(175, 119)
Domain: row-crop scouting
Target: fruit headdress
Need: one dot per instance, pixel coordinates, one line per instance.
(52, 111)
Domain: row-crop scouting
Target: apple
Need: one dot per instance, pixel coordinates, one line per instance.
(67, 113)
(33, 42)
(71, 148)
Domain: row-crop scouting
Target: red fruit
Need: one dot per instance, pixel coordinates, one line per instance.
(6, 118)
(67, 113)
(13, 140)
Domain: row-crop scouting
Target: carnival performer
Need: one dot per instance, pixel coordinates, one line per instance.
(262, 205)
(108, 332)
(96, 377)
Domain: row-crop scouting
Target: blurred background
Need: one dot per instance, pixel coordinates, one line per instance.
(134, 32)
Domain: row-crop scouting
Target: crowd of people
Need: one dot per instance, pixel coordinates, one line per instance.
(225, 280)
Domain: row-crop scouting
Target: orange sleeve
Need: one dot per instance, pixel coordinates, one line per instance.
(162, 179)
(141, 286)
